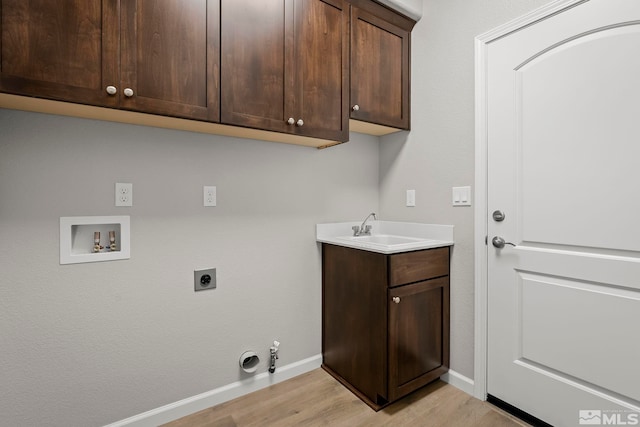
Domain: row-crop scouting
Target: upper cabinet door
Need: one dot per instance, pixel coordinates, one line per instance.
(380, 50)
(60, 49)
(321, 40)
(284, 66)
(169, 57)
(252, 63)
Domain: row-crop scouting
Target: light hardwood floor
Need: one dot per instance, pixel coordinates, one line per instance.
(317, 399)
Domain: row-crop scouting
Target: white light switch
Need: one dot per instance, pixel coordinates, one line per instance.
(461, 196)
(411, 198)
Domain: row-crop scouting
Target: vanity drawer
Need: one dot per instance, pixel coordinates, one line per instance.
(415, 266)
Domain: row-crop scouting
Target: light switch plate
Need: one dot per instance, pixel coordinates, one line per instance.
(411, 198)
(461, 196)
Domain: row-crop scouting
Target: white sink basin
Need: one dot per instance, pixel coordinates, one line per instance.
(387, 237)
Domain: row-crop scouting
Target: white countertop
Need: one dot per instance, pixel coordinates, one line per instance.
(387, 237)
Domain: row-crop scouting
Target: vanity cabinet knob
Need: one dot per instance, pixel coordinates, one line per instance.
(396, 300)
(355, 107)
(291, 121)
(299, 122)
(128, 92)
(111, 90)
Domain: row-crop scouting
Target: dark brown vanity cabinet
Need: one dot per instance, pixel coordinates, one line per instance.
(284, 66)
(380, 65)
(157, 57)
(385, 320)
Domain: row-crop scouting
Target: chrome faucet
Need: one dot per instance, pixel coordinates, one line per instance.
(364, 230)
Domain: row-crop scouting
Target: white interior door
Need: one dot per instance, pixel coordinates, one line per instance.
(564, 168)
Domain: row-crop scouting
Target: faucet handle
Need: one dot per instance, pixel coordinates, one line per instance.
(367, 229)
(356, 230)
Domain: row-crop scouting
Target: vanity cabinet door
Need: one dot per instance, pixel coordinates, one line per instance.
(60, 49)
(418, 335)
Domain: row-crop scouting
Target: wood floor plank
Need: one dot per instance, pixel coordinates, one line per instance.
(317, 399)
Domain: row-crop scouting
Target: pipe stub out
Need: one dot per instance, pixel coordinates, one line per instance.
(249, 361)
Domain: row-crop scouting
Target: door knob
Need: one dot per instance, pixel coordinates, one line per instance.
(290, 121)
(299, 122)
(355, 107)
(111, 90)
(128, 92)
(499, 242)
(396, 300)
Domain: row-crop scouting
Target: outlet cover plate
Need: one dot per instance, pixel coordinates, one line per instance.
(124, 194)
(200, 281)
(210, 195)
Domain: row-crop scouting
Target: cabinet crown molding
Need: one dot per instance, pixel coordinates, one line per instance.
(409, 8)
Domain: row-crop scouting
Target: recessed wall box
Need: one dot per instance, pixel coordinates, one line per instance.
(77, 234)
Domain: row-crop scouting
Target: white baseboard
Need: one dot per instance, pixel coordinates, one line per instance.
(459, 381)
(187, 406)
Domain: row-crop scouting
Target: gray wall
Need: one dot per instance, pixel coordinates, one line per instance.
(438, 153)
(89, 344)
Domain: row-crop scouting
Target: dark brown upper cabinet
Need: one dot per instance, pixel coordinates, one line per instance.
(380, 65)
(284, 66)
(158, 57)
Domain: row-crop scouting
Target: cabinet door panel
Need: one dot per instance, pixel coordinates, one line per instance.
(379, 70)
(418, 335)
(59, 49)
(169, 57)
(322, 46)
(253, 62)
(354, 318)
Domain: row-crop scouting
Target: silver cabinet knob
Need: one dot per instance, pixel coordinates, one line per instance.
(128, 92)
(499, 242)
(299, 122)
(291, 121)
(396, 300)
(111, 90)
(355, 107)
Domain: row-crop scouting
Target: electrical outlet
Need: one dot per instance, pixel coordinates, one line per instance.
(210, 195)
(204, 279)
(124, 194)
